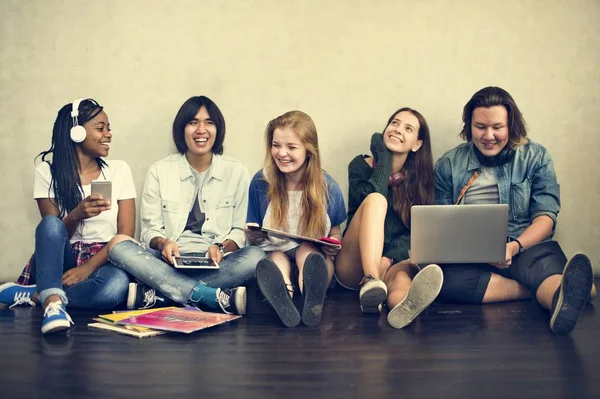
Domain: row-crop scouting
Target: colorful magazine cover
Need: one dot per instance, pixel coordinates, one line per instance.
(184, 320)
(113, 318)
(134, 331)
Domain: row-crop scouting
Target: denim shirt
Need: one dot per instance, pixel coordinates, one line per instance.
(169, 193)
(527, 183)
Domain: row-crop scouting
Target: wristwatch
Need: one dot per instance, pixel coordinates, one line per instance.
(519, 244)
(221, 248)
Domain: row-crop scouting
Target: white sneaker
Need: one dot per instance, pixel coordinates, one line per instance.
(423, 290)
(372, 295)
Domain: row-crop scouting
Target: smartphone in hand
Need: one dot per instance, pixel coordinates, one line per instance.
(102, 187)
(331, 240)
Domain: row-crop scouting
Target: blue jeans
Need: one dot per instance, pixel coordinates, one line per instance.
(236, 269)
(105, 288)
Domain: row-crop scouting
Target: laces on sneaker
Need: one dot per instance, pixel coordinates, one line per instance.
(368, 278)
(22, 298)
(150, 299)
(56, 308)
(224, 300)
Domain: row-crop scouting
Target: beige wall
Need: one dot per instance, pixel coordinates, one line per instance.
(348, 64)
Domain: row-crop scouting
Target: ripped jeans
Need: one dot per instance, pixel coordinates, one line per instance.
(236, 269)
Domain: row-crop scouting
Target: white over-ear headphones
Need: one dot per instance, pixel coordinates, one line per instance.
(78, 133)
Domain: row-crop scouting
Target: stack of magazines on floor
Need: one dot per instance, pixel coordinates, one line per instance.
(157, 321)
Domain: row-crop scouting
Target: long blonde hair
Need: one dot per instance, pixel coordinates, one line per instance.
(314, 191)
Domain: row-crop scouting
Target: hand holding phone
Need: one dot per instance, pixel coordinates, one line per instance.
(331, 251)
(91, 206)
(102, 187)
(96, 203)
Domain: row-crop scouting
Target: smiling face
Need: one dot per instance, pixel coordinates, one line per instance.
(402, 134)
(98, 136)
(288, 151)
(489, 129)
(200, 133)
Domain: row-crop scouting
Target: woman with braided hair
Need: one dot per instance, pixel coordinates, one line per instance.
(70, 264)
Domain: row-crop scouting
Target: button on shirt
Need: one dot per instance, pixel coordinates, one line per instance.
(170, 191)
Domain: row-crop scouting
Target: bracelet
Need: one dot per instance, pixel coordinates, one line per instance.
(520, 245)
(221, 248)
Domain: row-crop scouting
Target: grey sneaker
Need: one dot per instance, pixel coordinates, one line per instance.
(423, 290)
(232, 300)
(372, 294)
(572, 295)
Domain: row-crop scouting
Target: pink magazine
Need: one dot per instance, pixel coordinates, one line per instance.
(184, 320)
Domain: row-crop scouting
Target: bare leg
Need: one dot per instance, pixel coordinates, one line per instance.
(284, 265)
(362, 246)
(546, 290)
(502, 289)
(51, 298)
(398, 279)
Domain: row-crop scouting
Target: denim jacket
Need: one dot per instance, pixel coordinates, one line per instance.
(527, 183)
(169, 193)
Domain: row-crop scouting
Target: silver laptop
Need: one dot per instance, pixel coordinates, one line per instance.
(458, 233)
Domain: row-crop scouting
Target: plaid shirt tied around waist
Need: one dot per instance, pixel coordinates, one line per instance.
(82, 252)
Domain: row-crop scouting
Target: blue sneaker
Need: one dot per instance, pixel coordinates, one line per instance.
(56, 318)
(14, 294)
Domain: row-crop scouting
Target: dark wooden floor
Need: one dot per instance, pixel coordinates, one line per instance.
(451, 351)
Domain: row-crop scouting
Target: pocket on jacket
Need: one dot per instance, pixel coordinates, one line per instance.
(170, 206)
(224, 212)
(520, 194)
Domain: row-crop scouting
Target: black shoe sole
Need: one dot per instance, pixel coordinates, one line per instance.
(573, 295)
(271, 284)
(315, 287)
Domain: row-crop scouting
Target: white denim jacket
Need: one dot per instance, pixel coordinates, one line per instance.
(169, 193)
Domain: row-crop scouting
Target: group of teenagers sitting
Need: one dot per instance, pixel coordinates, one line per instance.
(201, 201)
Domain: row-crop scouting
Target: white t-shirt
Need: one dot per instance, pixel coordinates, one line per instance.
(99, 228)
(294, 213)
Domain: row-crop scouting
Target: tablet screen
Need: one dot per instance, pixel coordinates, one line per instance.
(194, 262)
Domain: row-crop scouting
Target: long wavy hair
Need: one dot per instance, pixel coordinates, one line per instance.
(314, 191)
(65, 181)
(418, 185)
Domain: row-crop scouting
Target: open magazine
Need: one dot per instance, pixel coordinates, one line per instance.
(323, 241)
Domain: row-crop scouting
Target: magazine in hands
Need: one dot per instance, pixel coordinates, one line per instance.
(323, 241)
